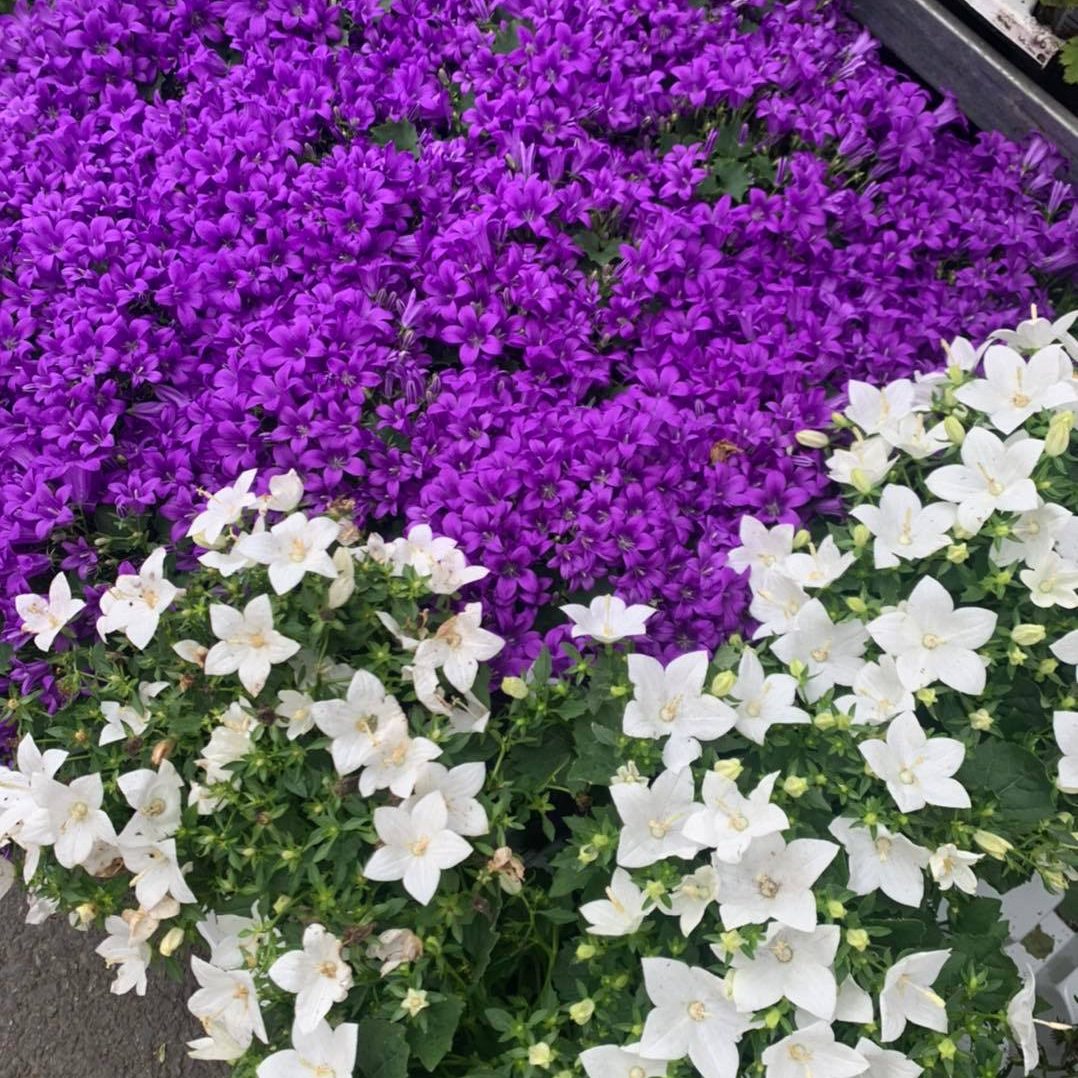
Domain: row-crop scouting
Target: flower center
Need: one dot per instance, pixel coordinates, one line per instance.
(907, 777)
(782, 951)
(671, 708)
(149, 597)
(753, 710)
(767, 886)
(155, 808)
(258, 640)
(658, 828)
(883, 845)
(419, 847)
(738, 822)
(799, 1053)
(637, 1072)
(697, 1010)
(995, 487)
(820, 654)
(79, 811)
(1020, 400)
(328, 969)
(298, 551)
(930, 641)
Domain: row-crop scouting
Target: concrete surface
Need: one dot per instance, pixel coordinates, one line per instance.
(59, 1020)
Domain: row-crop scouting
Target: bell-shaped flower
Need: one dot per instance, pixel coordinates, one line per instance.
(886, 1063)
(820, 566)
(791, 964)
(623, 910)
(607, 619)
(907, 995)
(295, 708)
(393, 948)
(690, 899)
(44, 618)
(774, 880)
(218, 1044)
(1036, 332)
(952, 867)
(134, 604)
(1065, 726)
(653, 819)
(610, 1061)
(418, 846)
(670, 702)
(904, 530)
(458, 646)
(350, 724)
(229, 998)
(1065, 649)
(932, 641)
(291, 549)
(830, 652)
(879, 410)
(728, 821)
(762, 549)
(223, 508)
(458, 787)
(889, 862)
(878, 694)
(123, 720)
(1020, 1020)
(1032, 535)
(760, 701)
(396, 759)
(285, 492)
(1052, 581)
(317, 975)
(156, 872)
(776, 600)
(248, 643)
(131, 957)
(233, 939)
(156, 798)
(812, 1052)
(75, 819)
(863, 465)
(693, 1017)
(917, 768)
(322, 1052)
(994, 476)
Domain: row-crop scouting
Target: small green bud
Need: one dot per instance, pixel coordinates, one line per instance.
(957, 553)
(723, 682)
(515, 687)
(857, 938)
(732, 941)
(585, 952)
(1058, 438)
(1047, 667)
(1027, 634)
(587, 854)
(729, 768)
(581, 1012)
(994, 845)
(795, 786)
(802, 538)
(956, 433)
(856, 605)
(980, 720)
(824, 721)
(798, 669)
(861, 535)
(540, 1055)
(926, 696)
(812, 439)
(835, 909)
(1016, 656)
(772, 1018)
(947, 1048)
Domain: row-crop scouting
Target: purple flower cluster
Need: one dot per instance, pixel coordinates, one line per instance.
(561, 278)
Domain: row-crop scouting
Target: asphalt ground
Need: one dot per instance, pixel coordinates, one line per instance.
(59, 1020)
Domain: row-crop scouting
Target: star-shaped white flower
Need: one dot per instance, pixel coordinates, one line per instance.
(295, 708)
(993, 476)
(418, 846)
(223, 508)
(607, 619)
(458, 646)
(670, 702)
(318, 976)
(791, 964)
(818, 567)
(903, 528)
(917, 768)
(121, 718)
(878, 694)
(774, 880)
(691, 898)
(907, 995)
(653, 819)
(132, 957)
(291, 549)
(396, 759)
(879, 410)
(1020, 1020)
(44, 618)
(812, 1052)
(831, 652)
(886, 1063)
(776, 599)
(248, 643)
(952, 867)
(1032, 535)
(1013, 389)
(75, 818)
(134, 604)
(762, 549)
(1065, 649)
(864, 464)
(466, 816)
(610, 1061)
(1052, 581)
(322, 1052)
(692, 1017)
(229, 998)
(888, 862)
(932, 641)
(760, 701)
(623, 910)
(728, 822)
(351, 723)
(156, 872)
(1065, 725)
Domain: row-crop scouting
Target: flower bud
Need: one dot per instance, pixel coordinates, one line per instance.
(824, 721)
(1054, 881)
(171, 941)
(587, 854)
(1028, 634)
(281, 904)
(772, 1018)
(1058, 438)
(861, 535)
(415, 1000)
(947, 1048)
(581, 1012)
(343, 585)
(515, 687)
(860, 480)
(980, 720)
(802, 538)
(994, 845)
(1016, 656)
(957, 553)
(162, 751)
(1047, 667)
(85, 914)
(856, 605)
(926, 696)
(585, 952)
(654, 889)
(729, 768)
(540, 1055)
(798, 669)
(956, 433)
(732, 941)
(812, 439)
(795, 786)
(723, 682)
(857, 938)
(835, 910)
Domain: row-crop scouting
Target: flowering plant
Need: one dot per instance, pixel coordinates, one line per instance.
(774, 859)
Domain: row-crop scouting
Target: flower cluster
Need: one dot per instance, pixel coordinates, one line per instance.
(549, 277)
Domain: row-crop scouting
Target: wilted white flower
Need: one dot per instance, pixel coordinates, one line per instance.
(132, 958)
(1020, 1020)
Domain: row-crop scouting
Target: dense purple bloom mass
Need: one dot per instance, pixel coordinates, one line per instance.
(561, 278)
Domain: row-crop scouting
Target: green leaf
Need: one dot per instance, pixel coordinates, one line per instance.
(430, 1045)
(598, 250)
(383, 1049)
(1069, 59)
(499, 1019)
(1014, 776)
(734, 179)
(401, 133)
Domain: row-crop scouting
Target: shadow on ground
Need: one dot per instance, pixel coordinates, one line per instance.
(59, 1020)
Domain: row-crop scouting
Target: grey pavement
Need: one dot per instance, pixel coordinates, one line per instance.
(59, 1020)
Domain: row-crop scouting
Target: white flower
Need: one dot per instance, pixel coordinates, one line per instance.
(323, 1052)
(789, 963)
(916, 768)
(886, 1063)
(342, 588)
(1012, 390)
(607, 619)
(993, 476)
(317, 975)
(155, 797)
(762, 549)
(907, 995)
(396, 759)
(418, 846)
(610, 1061)
(292, 549)
(156, 872)
(133, 958)
(437, 559)
(912, 437)
(878, 694)
(623, 910)
(692, 1016)
(17, 803)
(458, 787)
(120, 718)
(223, 508)
(285, 492)
(249, 645)
(191, 651)
(351, 723)
(75, 817)
(854, 1004)
(295, 707)
(823, 565)
(691, 898)
(864, 464)
(776, 599)
(458, 647)
(46, 617)
(1032, 535)
(1065, 725)
(393, 948)
(669, 702)
(1036, 332)
(1052, 582)
(774, 880)
(878, 410)
(903, 528)
(143, 923)
(134, 604)
(467, 714)
(1066, 539)
(218, 1044)
(229, 998)
(888, 862)
(762, 702)
(812, 1052)
(728, 821)
(1020, 1019)
(1065, 649)
(952, 867)
(932, 641)
(233, 939)
(831, 653)
(653, 819)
